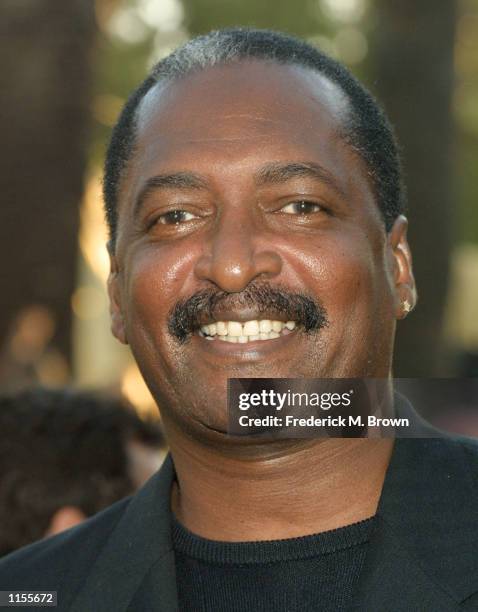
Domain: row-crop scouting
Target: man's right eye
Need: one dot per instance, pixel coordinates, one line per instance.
(174, 217)
(301, 207)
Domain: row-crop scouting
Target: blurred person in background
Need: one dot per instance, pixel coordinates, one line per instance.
(64, 456)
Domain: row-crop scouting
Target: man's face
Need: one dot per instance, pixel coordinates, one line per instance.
(243, 203)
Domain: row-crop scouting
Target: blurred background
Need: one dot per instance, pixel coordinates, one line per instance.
(66, 68)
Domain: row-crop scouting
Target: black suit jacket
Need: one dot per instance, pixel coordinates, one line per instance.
(423, 554)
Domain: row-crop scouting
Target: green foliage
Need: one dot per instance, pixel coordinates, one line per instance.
(301, 17)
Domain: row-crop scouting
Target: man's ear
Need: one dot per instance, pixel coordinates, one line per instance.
(114, 293)
(404, 282)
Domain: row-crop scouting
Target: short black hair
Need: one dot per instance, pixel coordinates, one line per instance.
(368, 131)
(63, 448)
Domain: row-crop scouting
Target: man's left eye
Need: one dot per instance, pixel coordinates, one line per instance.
(302, 207)
(174, 217)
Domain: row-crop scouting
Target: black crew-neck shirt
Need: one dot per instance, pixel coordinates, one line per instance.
(317, 572)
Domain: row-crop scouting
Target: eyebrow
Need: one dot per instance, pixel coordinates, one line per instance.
(277, 173)
(176, 180)
(274, 173)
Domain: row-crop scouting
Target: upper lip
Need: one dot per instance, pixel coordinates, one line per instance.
(245, 314)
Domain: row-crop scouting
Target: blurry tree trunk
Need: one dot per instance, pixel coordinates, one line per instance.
(45, 83)
(413, 55)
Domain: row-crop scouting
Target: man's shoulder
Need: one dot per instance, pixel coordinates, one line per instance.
(467, 448)
(453, 440)
(469, 445)
(443, 447)
(428, 510)
(62, 559)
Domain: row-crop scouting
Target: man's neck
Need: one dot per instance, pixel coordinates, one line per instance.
(309, 487)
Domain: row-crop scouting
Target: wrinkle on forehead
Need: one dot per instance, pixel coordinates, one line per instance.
(242, 138)
(253, 117)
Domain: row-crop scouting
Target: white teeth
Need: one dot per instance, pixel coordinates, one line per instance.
(251, 328)
(228, 338)
(234, 328)
(250, 331)
(221, 328)
(212, 329)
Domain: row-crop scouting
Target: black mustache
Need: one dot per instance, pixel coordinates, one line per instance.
(188, 315)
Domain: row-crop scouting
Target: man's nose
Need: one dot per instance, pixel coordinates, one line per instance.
(235, 256)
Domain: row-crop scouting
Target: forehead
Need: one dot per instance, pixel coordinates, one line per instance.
(253, 83)
(227, 121)
(256, 101)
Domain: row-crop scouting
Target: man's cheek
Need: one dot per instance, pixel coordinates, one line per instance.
(165, 269)
(340, 276)
(148, 301)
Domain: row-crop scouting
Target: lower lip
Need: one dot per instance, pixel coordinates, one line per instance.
(248, 350)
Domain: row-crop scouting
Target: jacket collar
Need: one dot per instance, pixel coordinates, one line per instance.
(140, 542)
(423, 548)
(426, 539)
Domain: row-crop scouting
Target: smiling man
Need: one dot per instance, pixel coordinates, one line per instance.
(254, 198)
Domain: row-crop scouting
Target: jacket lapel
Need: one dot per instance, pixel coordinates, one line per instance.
(157, 592)
(393, 580)
(423, 552)
(137, 562)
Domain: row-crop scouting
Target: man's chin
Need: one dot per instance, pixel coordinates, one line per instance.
(207, 429)
(215, 437)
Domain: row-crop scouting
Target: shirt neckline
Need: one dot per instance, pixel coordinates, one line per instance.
(270, 551)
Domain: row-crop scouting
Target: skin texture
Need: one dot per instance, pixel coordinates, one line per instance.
(228, 125)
